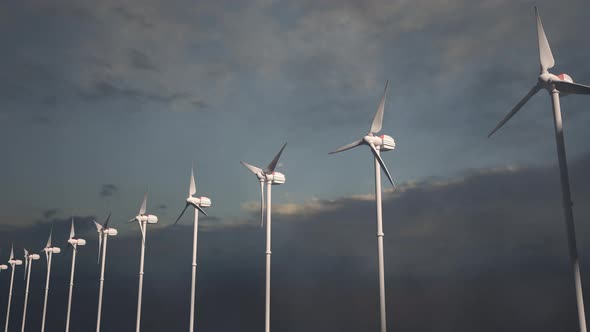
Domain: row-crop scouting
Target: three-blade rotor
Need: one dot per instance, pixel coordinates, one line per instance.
(262, 176)
(371, 138)
(192, 190)
(101, 229)
(546, 80)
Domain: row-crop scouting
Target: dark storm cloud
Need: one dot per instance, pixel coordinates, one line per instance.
(50, 213)
(108, 190)
(485, 251)
(128, 14)
(141, 61)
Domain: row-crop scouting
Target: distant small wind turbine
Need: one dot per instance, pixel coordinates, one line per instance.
(49, 251)
(12, 262)
(142, 219)
(29, 258)
(198, 203)
(74, 242)
(103, 233)
(271, 178)
(555, 85)
(377, 144)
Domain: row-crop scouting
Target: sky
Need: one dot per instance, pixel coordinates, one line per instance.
(101, 101)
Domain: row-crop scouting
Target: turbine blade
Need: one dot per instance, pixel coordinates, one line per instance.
(98, 226)
(572, 88)
(516, 108)
(143, 204)
(46, 255)
(378, 118)
(193, 188)
(48, 245)
(252, 169)
(545, 55)
(181, 213)
(348, 146)
(26, 262)
(142, 232)
(378, 157)
(261, 204)
(11, 252)
(273, 164)
(132, 220)
(201, 210)
(99, 247)
(106, 223)
(72, 233)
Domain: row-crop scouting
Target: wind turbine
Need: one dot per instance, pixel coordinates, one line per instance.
(75, 242)
(142, 219)
(49, 251)
(29, 258)
(378, 144)
(556, 84)
(271, 178)
(12, 262)
(198, 203)
(103, 233)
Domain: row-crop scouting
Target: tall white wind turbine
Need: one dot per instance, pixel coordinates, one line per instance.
(12, 262)
(142, 219)
(198, 203)
(556, 84)
(104, 231)
(49, 251)
(270, 177)
(75, 242)
(377, 144)
(29, 258)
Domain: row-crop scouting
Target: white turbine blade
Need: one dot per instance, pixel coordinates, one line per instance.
(348, 146)
(99, 247)
(48, 245)
(26, 262)
(201, 210)
(383, 167)
(516, 108)
(46, 255)
(261, 204)
(98, 226)
(143, 204)
(142, 232)
(545, 55)
(181, 213)
(193, 188)
(106, 223)
(252, 169)
(11, 252)
(378, 118)
(72, 233)
(572, 88)
(273, 164)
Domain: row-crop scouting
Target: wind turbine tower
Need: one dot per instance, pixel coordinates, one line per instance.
(198, 203)
(555, 85)
(377, 144)
(142, 219)
(270, 177)
(74, 242)
(49, 251)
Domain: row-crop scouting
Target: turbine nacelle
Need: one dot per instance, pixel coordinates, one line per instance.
(199, 201)
(147, 218)
(15, 262)
(77, 242)
(275, 178)
(3, 267)
(33, 257)
(381, 142)
(53, 250)
(110, 232)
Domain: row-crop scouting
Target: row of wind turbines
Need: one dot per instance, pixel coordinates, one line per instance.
(556, 85)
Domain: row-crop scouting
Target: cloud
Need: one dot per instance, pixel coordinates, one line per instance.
(50, 213)
(141, 61)
(108, 190)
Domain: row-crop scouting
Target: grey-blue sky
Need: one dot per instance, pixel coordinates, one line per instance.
(129, 93)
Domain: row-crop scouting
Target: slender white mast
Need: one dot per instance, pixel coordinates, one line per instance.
(71, 288)
(143, 226)
(567, 208)
(26, 293)
(380, 244)
(268, 253)
(50, 255)
(194, 271)
(9, 298)
(100, 288)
